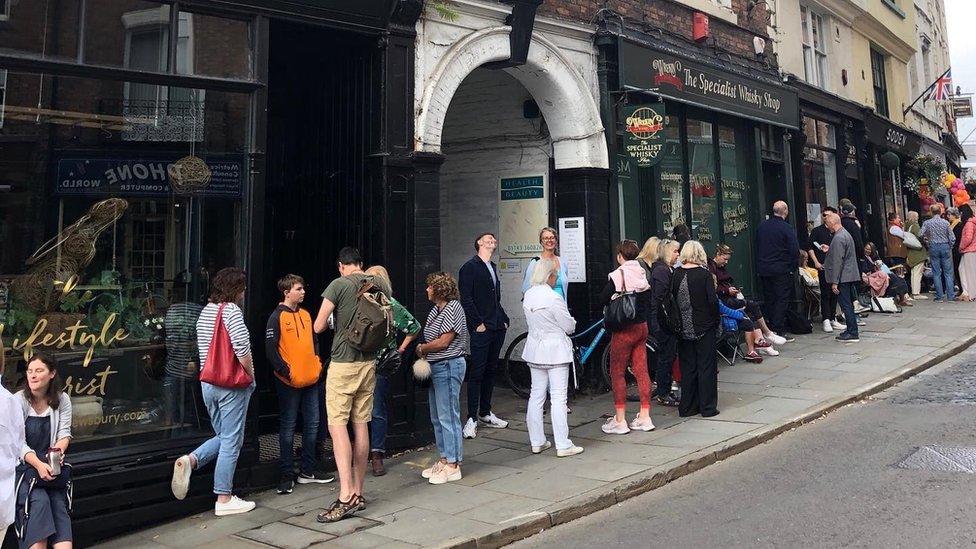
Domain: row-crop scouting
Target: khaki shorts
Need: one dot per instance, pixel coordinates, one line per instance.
(349, 392)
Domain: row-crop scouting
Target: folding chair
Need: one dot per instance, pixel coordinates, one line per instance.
(729, 346)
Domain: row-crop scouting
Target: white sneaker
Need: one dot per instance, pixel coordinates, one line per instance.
(827, 326)
(426, 473)
(491, 420)
(638, 425)
(234, 506)
(571, 451)
(920, 296)
(181, 477)
(614, 427)
(543, 448)
(838, 325)
(445, 474)
(775, 338)
(768, 351)
(470, 429)
(861, 322)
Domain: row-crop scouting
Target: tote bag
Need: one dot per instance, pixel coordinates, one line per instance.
(222, 367)
(622, 310)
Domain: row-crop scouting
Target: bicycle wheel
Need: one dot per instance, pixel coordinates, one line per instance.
(516, 370)
(605, 367)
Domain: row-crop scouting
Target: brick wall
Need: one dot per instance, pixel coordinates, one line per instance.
(674, 17)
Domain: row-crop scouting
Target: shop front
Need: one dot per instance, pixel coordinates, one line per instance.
(690, 149)
(134, 152)
(890, 148)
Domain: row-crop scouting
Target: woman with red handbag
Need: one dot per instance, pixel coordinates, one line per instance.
(227, 380)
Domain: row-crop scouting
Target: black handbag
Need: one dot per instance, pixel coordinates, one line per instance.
(622, 309)
(668, 312)
(388, 362)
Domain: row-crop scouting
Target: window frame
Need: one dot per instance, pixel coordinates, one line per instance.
(815, 54)
(879, 82)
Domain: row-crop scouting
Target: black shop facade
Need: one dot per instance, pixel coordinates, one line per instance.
(144, 145)
(696, 143)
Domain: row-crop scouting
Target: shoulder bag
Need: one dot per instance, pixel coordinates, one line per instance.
(222, 368)
(622, 309)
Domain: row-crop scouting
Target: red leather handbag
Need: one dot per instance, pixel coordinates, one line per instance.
(222, 367)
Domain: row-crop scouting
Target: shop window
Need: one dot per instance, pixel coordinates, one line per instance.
(879, 82)
(819, 167)
(705, 223)
(737, 205)
(814, 47)
(99, 233)
(24, 21)
(127, 33)
(672, 179)
(3, 94)
(220, 46)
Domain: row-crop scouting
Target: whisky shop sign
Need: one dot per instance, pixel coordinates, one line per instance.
(688, 81)
(644, 133)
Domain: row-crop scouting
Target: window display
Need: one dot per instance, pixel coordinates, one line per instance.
(819, 166)
(112, 224)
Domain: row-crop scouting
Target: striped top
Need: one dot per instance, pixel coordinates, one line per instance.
(240, 339)
(441, 321)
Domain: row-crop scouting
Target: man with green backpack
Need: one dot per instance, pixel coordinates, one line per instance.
(363, 322)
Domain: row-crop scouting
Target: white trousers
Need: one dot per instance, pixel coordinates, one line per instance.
(555, 381)
(917, 278)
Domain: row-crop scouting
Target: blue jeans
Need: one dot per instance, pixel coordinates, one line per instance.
(845, 298)
(444, 398)
(290, 400)
(941, 257)
(228, 410)
(378, 425)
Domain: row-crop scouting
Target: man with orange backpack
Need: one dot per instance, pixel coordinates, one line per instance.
(293, 351)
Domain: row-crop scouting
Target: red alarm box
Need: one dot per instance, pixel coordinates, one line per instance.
(700, 26)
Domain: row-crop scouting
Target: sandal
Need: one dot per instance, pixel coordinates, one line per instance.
(340, 509)
(667, 401)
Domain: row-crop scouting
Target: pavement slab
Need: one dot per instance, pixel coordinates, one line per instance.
(508, 493)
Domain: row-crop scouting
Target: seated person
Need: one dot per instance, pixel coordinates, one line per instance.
(736, 319)
(880, 278)
(728, 294)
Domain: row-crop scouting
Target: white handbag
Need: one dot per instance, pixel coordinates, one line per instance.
(911, 241)
(884, 305)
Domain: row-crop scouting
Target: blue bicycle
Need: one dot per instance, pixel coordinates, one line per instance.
(517, 371)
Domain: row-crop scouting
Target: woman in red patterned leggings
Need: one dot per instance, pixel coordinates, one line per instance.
(627, 343)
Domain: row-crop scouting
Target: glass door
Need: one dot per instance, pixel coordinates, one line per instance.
(705, 225)
(737, 204)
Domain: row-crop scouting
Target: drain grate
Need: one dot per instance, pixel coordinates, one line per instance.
(941, 459)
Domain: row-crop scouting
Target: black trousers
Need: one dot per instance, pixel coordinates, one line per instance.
(485, 347)
(699, 375)
(828, 300)
(663, 360)
(777, 294)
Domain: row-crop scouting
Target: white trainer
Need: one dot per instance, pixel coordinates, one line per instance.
(233, 506)
(470, 429)
(827, 326)
(614, 427)
(638, 425)
(543, 448)
(838, 325)
(445, 474)
(491, 420)
(571, 451)
(775, 338)
(182, 470)
(768, 351)
(426, 473)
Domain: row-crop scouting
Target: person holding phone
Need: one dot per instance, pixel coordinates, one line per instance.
(819, 245)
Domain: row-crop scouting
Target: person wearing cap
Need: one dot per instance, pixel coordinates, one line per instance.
(848, 219)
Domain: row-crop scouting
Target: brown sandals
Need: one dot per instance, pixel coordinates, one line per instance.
(342, 509)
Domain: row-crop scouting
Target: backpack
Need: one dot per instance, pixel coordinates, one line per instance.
(371, 324)
(797, 324)
(668, 313)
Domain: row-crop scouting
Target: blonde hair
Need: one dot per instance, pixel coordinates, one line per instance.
(665, 247)
(692, 252)
(542, 271)
(912, 216)
(649, 252)
(380, 271)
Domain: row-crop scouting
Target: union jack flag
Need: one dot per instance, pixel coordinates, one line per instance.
(942, 88)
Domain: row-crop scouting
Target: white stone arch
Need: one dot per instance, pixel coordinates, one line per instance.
(570, 111)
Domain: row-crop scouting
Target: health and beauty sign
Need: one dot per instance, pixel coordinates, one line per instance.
(522, 188)
(138, 176)
(689, 81)
(644, 133)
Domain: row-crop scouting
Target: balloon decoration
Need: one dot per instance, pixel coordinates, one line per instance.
(956, 188)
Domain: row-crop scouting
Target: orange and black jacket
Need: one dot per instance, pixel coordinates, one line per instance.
(292, 347)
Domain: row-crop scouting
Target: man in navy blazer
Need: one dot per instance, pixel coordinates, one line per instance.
(481, 297)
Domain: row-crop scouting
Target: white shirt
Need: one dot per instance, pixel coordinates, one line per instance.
(549, 323)
(11, 442)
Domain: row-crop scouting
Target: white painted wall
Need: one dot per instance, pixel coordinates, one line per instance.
(486, 138)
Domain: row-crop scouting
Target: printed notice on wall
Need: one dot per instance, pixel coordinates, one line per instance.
(572, 247)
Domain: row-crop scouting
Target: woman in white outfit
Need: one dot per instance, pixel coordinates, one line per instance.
(549, 354)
